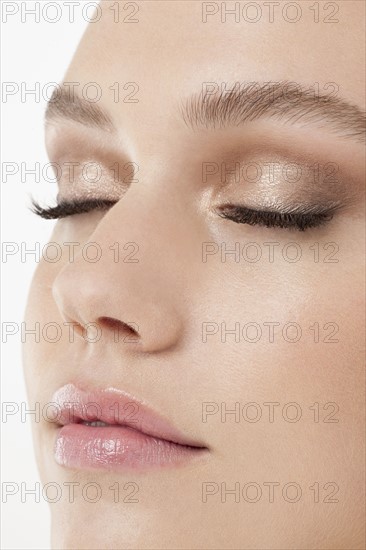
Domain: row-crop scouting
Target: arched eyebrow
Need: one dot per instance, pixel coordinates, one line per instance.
(288, 102)
(68, 105)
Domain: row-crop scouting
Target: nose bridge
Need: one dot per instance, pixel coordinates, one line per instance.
(144, 230)
(157, 220)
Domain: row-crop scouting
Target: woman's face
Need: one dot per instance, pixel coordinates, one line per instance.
(228, 263)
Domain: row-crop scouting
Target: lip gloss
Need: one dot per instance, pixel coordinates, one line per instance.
(109, 429)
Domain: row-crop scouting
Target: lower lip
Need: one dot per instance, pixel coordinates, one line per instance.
(117, 448)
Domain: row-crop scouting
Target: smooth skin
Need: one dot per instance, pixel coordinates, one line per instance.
(170, 293)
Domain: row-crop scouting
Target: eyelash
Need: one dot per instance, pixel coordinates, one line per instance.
(69, 208)
(299, 221)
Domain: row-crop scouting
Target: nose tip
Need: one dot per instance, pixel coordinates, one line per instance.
(102, 304)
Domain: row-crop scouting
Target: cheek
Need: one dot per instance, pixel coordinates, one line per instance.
(38, 351)
(282, 404)
(41, 306)
(280, 333)
(41, 311)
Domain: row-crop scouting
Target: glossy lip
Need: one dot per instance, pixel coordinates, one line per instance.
(135, 436)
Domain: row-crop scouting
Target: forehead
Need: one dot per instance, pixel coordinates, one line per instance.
(175, 45)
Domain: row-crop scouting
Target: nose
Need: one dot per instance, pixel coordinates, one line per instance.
(128, 279)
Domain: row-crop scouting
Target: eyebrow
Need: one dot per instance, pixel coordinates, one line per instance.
(68, 105)
(288, 102)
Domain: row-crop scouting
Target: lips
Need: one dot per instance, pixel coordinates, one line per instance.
(110, 429)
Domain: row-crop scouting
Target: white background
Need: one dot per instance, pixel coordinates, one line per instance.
(32, 52)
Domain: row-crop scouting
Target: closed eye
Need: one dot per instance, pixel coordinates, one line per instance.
(69, 208)
(297, 219)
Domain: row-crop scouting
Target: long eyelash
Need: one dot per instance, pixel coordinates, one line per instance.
(285, 220)
(69, 208)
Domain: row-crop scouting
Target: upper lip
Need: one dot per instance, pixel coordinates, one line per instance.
(115, 407)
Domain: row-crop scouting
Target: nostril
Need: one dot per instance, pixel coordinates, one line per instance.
(120, 328)
(79, 329)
